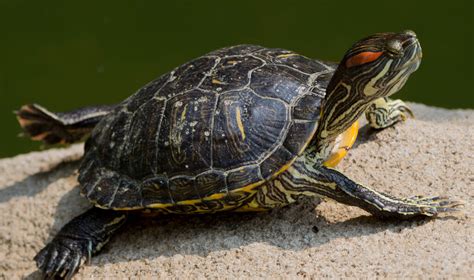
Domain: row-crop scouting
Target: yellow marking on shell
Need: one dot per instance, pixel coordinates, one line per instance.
(286, 55)
(233, 62)
(120, 208)
(348, 138)
(248, 188)
(238, 117)
(188, 202)
(215, 196)
(284, 168)
(217, 82)
(159, 205)
(183, 114)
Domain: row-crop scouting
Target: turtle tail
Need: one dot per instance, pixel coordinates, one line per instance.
(59, 128)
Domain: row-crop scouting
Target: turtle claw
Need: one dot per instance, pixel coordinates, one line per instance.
(434, 205)
(398, 111)
(402, 107)
(62, 257)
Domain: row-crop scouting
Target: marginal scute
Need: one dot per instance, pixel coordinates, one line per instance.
(243, 177)
(234, 198)
(155, 190)
(127, 195)
(206, 183)
(202, 136)
(107, 188)
(183, 189)
(210, 205)
(182, 209)
(276, 162)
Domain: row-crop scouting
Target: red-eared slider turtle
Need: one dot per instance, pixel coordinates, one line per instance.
(244, 128)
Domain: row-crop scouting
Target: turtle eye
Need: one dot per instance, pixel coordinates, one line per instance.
(394, 48)
(362, 58)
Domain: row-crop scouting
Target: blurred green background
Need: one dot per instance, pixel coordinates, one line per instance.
(67, 54)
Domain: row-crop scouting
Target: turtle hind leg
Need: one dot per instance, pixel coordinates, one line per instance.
(52, 128)
(78, 240)
(384, 112)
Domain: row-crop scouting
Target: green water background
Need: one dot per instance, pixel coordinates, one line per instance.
(68, 54)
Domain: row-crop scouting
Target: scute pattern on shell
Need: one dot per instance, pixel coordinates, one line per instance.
(220, 122)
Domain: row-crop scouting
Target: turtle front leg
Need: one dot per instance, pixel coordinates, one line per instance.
(384, 205)
(328, 182)
(384, 112)
(78, 240)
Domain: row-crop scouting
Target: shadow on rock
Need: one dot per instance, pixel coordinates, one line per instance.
(296, 227)
(34, 184)
(36, 275)
(366, 134)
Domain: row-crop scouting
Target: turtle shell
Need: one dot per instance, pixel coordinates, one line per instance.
(228, 120)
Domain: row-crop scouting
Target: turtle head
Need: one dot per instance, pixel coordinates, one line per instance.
(376, 66)
(379, 65)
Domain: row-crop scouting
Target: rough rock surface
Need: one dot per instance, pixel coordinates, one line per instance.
(429, 155)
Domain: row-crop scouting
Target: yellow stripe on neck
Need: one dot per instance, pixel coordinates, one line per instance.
(348, 138)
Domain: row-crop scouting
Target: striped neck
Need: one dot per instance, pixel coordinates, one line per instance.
(342, 107)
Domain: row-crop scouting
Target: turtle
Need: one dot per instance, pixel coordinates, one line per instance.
(240, 129)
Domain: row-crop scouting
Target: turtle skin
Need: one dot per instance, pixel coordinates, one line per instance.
(229, 119)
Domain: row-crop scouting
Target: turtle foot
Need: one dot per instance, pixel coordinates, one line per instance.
(62, 257)
(434, 205)
(385, 112)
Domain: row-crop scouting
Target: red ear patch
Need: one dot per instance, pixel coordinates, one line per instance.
(362, 58)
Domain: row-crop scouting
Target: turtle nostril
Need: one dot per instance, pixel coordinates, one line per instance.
(410, 32)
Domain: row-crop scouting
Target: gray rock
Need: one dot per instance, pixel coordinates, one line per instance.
(429, 155)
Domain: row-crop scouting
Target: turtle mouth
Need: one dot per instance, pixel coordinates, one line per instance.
(413, 54)
(415, 62)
